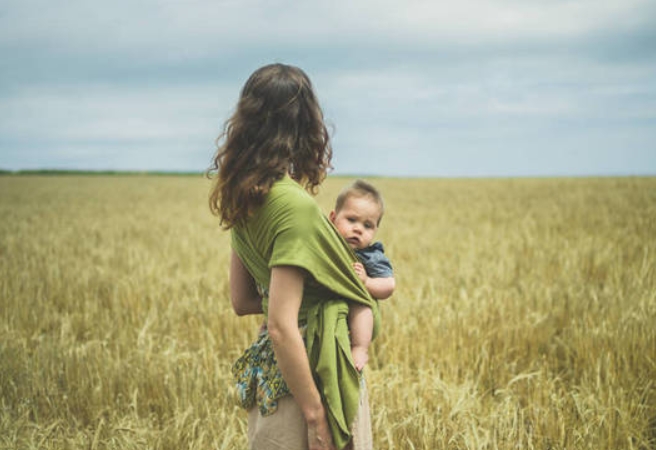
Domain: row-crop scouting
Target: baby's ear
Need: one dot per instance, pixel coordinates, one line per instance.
(331, 216)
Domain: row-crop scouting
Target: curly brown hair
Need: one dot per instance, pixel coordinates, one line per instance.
(277, 128)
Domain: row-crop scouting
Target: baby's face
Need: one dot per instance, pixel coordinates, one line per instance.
(357, 221)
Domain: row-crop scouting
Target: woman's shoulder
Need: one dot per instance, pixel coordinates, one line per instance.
(290, 195)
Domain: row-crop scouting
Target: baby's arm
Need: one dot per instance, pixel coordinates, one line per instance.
(379, 288)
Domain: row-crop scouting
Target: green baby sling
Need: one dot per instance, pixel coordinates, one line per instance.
(289, 229)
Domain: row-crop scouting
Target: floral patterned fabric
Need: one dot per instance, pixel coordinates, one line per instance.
(258, 378)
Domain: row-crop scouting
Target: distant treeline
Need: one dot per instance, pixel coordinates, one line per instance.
(94, 172)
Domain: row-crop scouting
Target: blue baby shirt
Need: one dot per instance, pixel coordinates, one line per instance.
(374, 261)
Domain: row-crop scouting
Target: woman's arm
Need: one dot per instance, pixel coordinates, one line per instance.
(243, 293)
(285, 295)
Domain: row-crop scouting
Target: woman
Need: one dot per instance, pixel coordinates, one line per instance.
(289, 263)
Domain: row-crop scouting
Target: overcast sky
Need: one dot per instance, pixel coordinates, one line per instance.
(412, 88)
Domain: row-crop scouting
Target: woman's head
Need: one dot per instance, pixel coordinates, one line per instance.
(277, 128)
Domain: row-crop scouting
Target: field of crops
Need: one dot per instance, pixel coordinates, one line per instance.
(524, 316)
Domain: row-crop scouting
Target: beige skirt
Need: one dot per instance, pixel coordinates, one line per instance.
(286, 429)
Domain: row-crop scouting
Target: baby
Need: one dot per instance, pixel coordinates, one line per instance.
(357, 214)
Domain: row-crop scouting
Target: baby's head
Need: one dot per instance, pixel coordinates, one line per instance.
(357, 214)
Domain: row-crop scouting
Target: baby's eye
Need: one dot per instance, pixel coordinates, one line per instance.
(351, 219)
(368, 225)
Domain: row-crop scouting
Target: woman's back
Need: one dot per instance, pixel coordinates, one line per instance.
(290, 229)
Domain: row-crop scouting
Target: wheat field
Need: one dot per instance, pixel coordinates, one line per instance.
(524, 315)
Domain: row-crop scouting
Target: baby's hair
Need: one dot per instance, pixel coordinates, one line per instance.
(277, 129)
(360, 188)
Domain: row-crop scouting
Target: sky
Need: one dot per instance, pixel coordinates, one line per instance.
(473, 88)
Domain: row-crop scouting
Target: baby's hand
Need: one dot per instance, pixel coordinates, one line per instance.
(360, 271)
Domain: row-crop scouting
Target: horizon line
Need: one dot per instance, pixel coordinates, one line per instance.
(100, 172)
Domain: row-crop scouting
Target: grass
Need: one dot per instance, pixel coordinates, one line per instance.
(524, 315)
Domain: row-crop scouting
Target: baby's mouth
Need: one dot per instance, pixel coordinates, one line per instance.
(353, 241)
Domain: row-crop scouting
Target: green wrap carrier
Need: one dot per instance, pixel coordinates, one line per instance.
(289, 229)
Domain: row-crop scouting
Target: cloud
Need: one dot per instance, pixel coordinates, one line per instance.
(172, 31)
(67, 127)
(409, 86)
